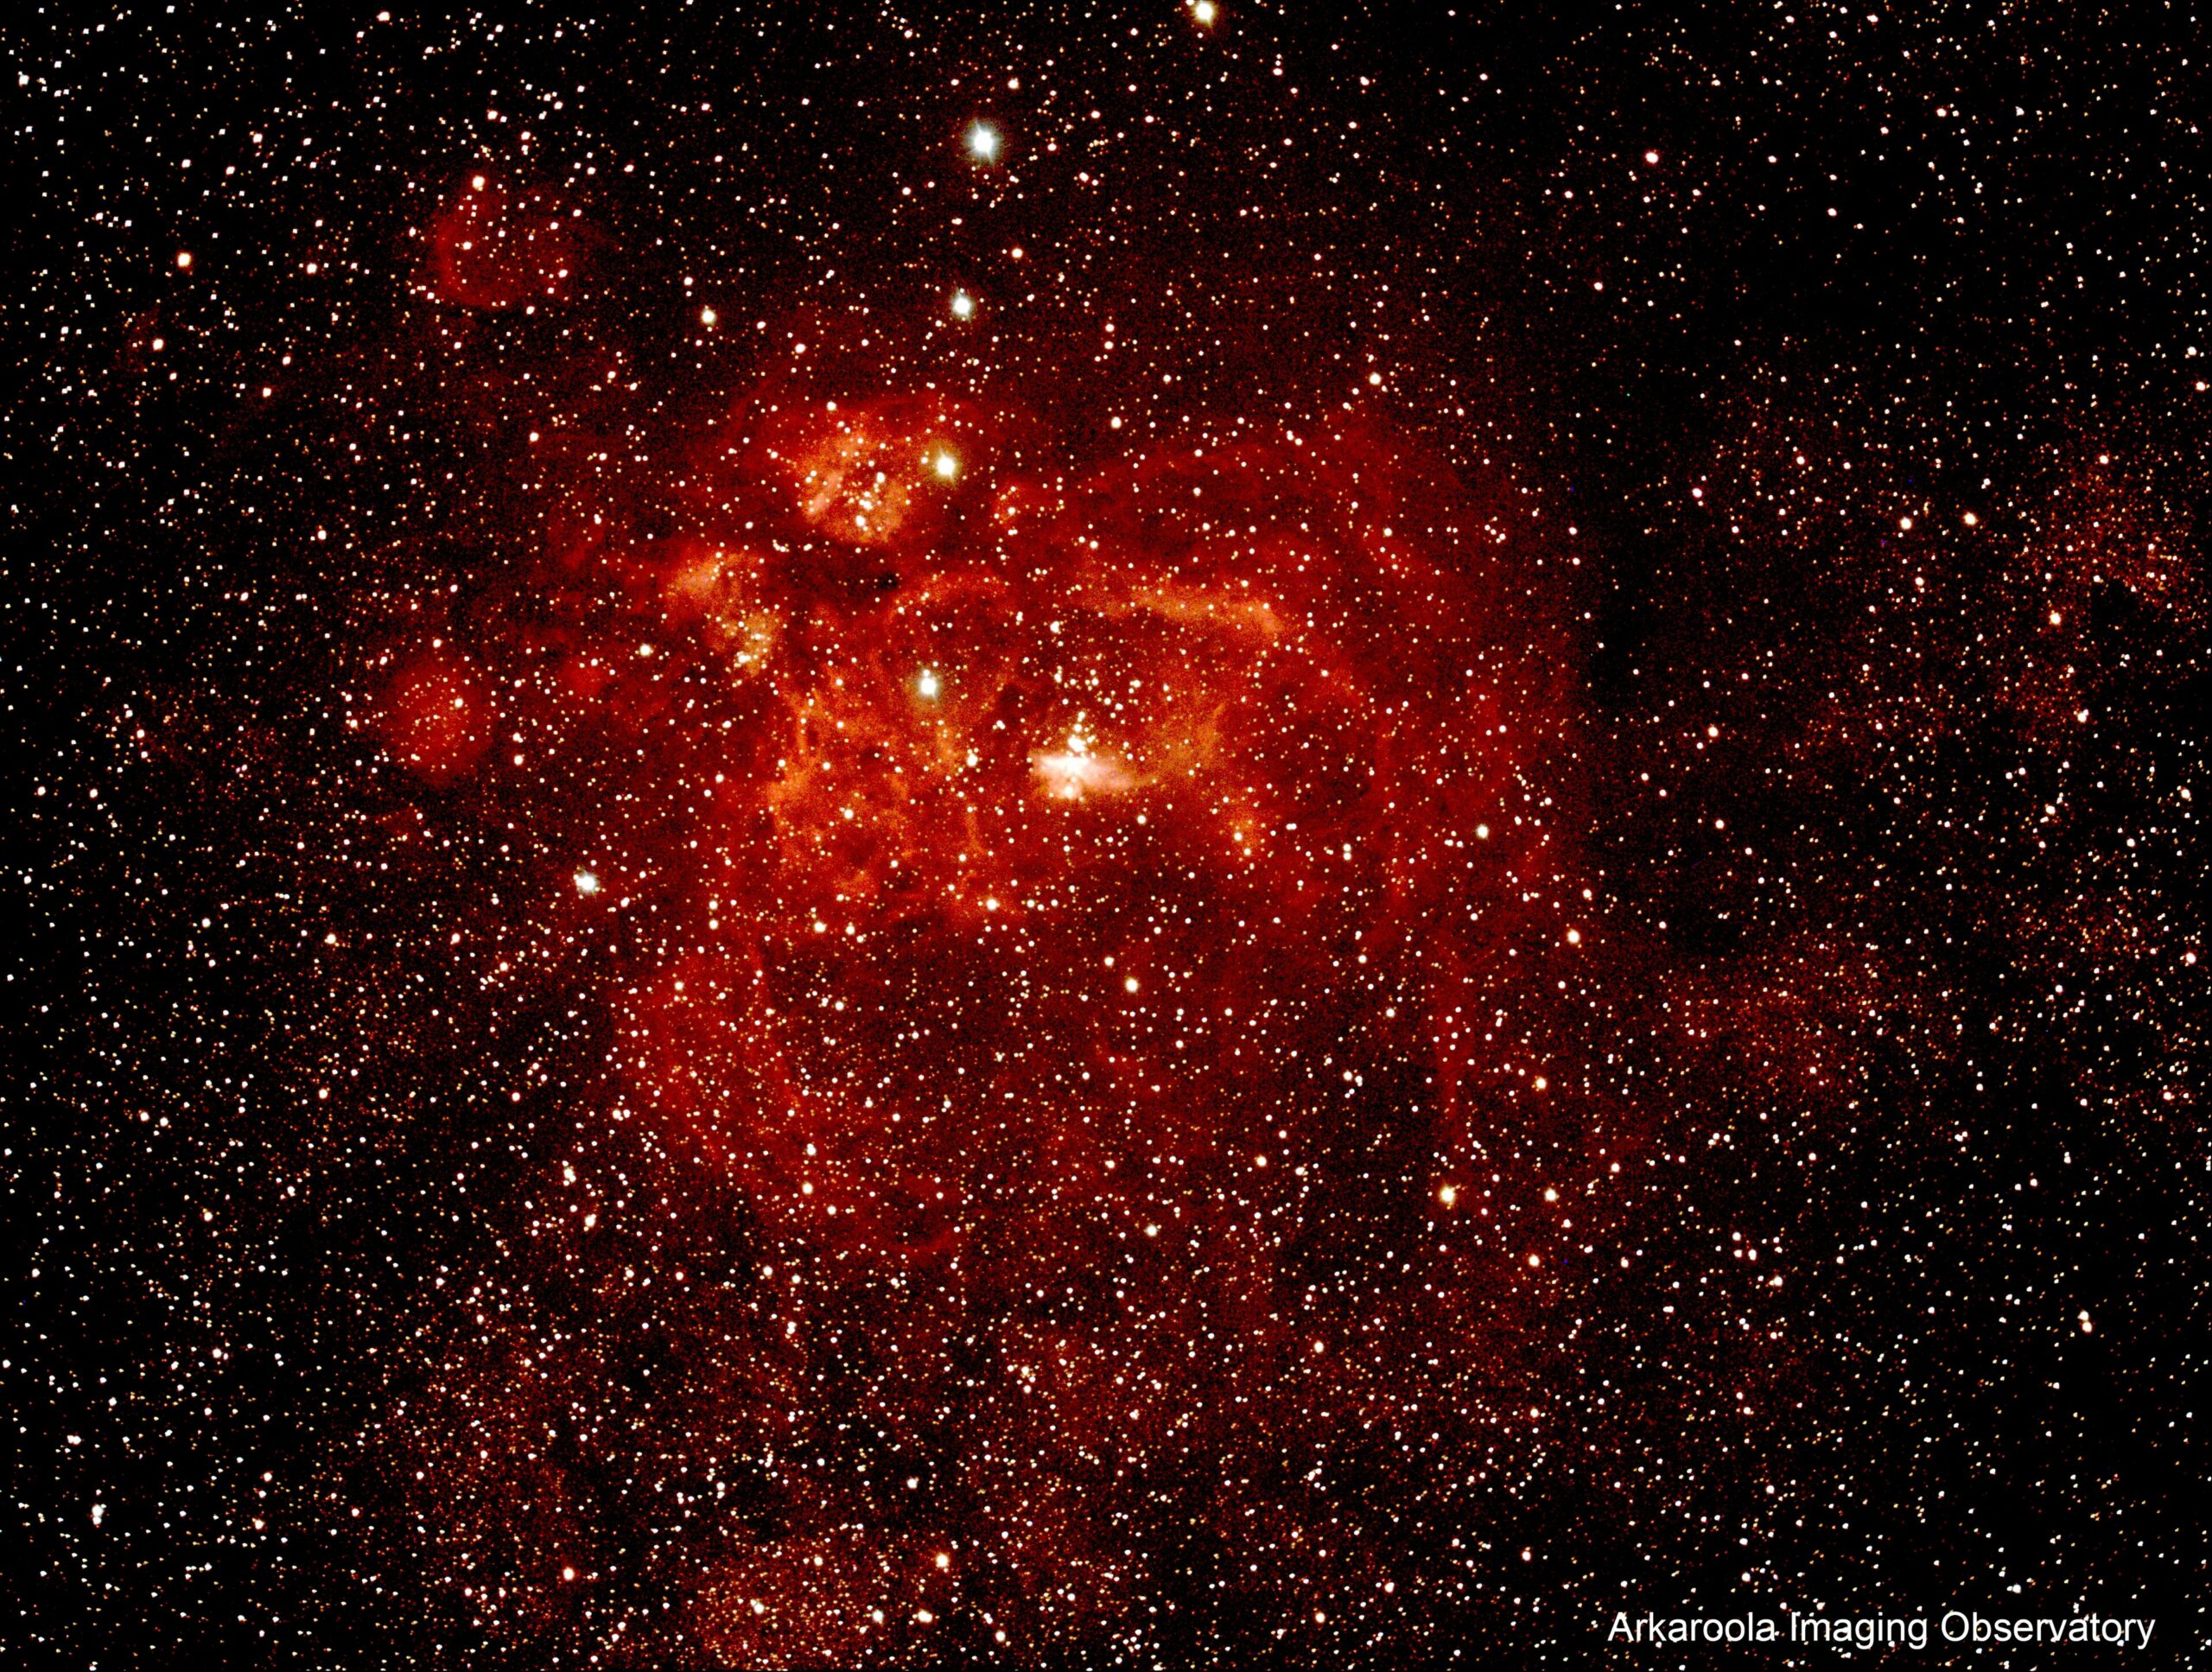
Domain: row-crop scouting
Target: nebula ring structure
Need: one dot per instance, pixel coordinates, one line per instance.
(1185, 836)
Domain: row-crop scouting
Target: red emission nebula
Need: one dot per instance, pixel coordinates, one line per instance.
(1091, 933)
(1169, 838)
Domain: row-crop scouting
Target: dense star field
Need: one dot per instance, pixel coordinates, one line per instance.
(1182, 836)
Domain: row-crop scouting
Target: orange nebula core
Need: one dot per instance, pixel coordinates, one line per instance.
(1029, 831)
